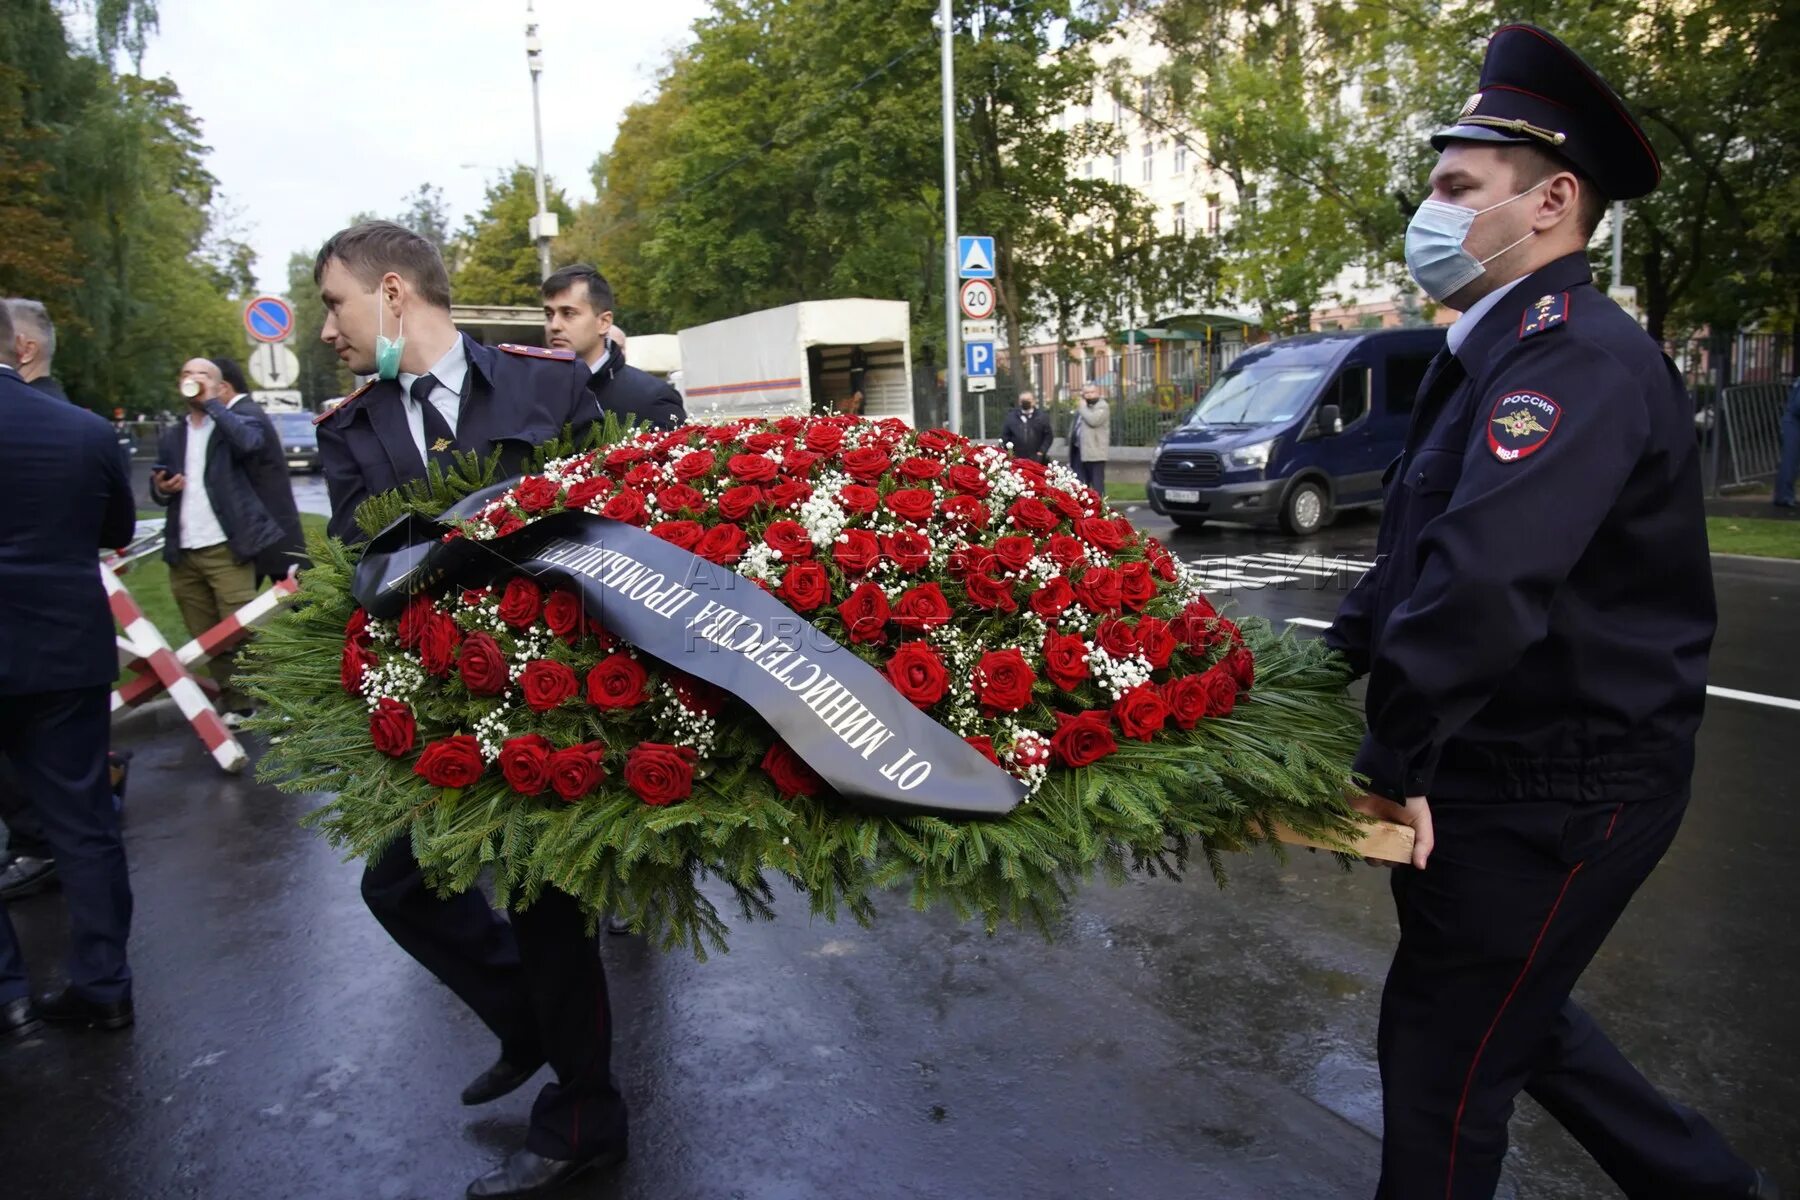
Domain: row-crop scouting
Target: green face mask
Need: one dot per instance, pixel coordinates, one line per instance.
(387, 350)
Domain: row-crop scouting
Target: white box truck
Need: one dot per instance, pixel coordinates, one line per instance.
(801, 359)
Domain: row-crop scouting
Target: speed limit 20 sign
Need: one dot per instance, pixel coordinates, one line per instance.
(977, 299)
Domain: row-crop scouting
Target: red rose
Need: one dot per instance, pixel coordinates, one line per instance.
(625, 457)
(583, 494)
(1053, 599)
(562, 613)
(969, 560)
(627, 506)
(968, 479)
(798, 462)
(910, 504)
(391, 727)
(1082, 740)
(937, 440)
(521, 603)
(546, 684)
(909, 549)
(1063, 503)
(987, 592)
(1161, 561)
(1003, 681)
(506, 522)
(1242, 666)
(1116, 638)
(918, 674)
(525, 762)
(1141, 712)
(1014, 552)
(856, 498)
(789, 772)
(1187, 699)
(356, 629)
(865, 614)
(966, 510)
(920, 468)
(736, 503)
(1065, 659)
(922, 607)
(1028, 468)
(790, 494)
(483, 666)
(790, 538)
(1196, 627)
(761, 443)
(985, 746)
(686, 534)
(1221, 690)
(454, 762)
(751, 468)
(1064, 550)
(824, 439)
(617, 681)
(723, 544)
(352, 666)
(696, 695)
(805, 586)
(680, 498)
(643, 477)
(1227, 630)
(413, 621)
(856, 551)
(1032, 514)
(866, 464)
(1136, 586)
(658, 773)
(437, 648)
(1098, 590)
(575, 770)
(694, 464)
(535, 494)
(1098, 531)
(1155, 642)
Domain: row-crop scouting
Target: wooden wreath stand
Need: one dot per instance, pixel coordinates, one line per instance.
(1380, 841)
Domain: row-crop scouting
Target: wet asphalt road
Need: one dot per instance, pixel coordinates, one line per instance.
(1174, 1041)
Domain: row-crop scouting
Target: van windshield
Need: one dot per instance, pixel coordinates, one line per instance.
(1257, 395)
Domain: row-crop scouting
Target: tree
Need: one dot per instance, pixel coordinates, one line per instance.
(322, 374)
(425, 213)
(498, 263)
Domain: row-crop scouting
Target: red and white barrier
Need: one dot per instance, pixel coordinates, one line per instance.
(168, 669)
(223, 636)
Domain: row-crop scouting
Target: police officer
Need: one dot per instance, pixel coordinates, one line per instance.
(578, 316)
(1535, 634)
(537, 981)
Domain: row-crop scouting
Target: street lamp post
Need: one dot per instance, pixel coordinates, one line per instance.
(543, 226)
(952, 351)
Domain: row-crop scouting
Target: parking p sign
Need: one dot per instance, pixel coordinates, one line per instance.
(978, 359)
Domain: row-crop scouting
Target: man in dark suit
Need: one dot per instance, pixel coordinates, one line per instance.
(1027, 431)
(537, 981)
(34, 345)
(578, 316)
(57, 662)
(269, 479)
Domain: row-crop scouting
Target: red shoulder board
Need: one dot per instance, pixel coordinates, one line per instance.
(346, 402)
(1546, 312)
(538, 352)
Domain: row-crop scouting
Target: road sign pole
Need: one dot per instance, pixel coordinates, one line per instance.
(952, 350)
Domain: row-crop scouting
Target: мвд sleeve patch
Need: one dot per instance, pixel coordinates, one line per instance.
(1520, 423)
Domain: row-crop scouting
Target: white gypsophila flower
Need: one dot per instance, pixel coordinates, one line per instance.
(491, 733)
(760, 561)
(397, 677)
(1116, 676)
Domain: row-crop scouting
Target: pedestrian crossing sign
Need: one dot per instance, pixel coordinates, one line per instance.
(975, 257)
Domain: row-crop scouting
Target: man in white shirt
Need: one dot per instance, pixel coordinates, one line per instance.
(217, 525)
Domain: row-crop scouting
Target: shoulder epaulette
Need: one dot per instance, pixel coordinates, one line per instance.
(346, 402)
(537, 351)
(1547, 312)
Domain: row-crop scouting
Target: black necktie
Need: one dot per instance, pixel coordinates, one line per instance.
(439, 440)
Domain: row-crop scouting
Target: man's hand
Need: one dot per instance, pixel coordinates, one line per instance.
(1416, 813)
(168, 484)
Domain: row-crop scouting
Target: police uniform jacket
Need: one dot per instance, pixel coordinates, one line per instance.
(514, 399)
(634, 395)
(70, 499)
(1538, 620)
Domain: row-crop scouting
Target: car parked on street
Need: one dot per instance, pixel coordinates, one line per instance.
(299, 441)
(1296, 431)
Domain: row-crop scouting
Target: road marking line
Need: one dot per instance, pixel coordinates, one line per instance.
(1753, 697)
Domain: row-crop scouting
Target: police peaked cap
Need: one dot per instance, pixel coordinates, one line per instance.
(1536, 91)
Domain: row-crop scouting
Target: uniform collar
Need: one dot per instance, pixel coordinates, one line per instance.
(1465, 324)
(449, 371)
(1501, 321)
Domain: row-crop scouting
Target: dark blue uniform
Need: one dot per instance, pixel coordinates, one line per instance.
(1535, 632)
(536, 981)
(57, 663)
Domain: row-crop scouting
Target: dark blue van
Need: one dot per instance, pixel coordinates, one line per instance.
(1295, 431)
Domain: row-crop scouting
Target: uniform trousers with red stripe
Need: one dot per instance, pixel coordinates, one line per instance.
(1516, 900)
(535, 980)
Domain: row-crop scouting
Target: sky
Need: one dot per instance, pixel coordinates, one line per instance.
(319, 110)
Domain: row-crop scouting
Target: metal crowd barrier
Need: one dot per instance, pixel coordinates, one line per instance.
(1752, 414)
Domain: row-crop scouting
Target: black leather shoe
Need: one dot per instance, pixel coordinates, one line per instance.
(26, 874)
(19, 1018)
(528, 1174)
(68, 1008)
(499, 1079)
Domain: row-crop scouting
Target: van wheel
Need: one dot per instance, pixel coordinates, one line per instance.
(1305, 510)
(1187, 522)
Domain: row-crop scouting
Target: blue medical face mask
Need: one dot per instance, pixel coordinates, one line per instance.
(1434, 245)
(387, 350)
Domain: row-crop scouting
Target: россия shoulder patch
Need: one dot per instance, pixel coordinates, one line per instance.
(1521, 423)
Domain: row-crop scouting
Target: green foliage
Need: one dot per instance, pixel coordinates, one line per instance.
(497, 262)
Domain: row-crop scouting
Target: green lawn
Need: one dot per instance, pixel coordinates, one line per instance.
(1750, 535)
(1122, 493)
